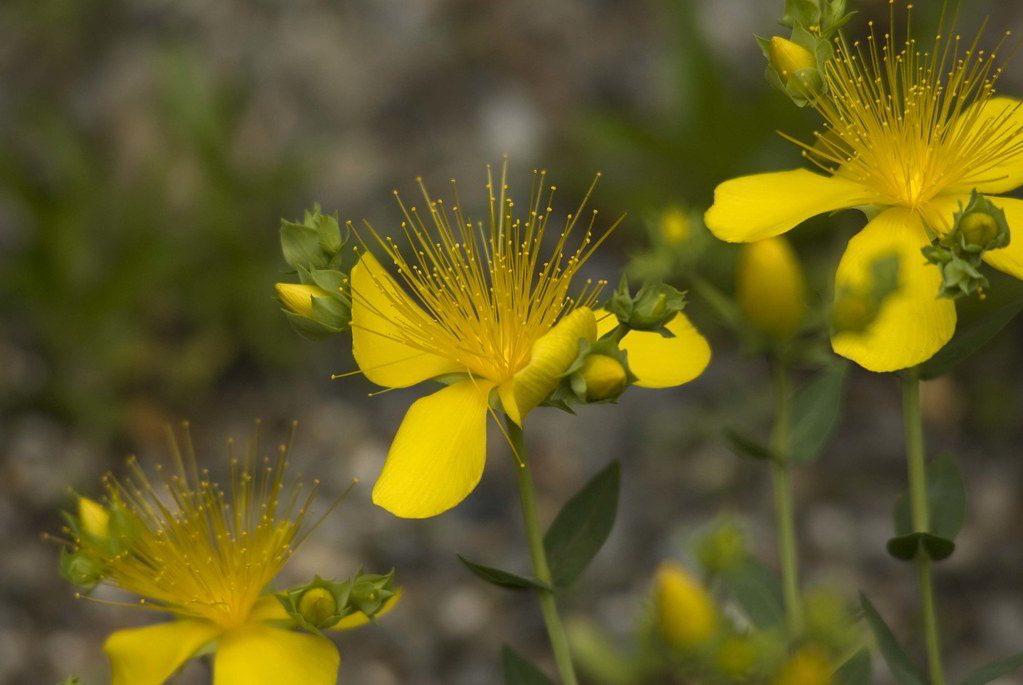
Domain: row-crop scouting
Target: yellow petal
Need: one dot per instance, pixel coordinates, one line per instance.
(298, 297)
(150, 655)
(268, 608)
(552, 353)
(377, 326)
(913, 323)
(1004, 117)
(258, 654)
(660, 362)
(360, 619)
(94, 517)
(437, 456)
(765, 205)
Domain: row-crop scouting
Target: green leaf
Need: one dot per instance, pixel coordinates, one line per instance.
(747, 446)
(969, 340)
(581, 527)
(757, 589)
(509, 581)
(905, 547)
(946, 500)
(986, 674)
(815, 411)
(518, 671)
(856, 670)
(905, 672)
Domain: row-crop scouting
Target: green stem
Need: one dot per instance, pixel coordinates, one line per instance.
(784, 510)
(555, 630)
(921, 517)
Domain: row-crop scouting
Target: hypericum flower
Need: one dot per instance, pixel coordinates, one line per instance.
(205, 555)
(487, 312)
(908, 135)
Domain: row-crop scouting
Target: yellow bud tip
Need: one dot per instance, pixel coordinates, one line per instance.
(94, 517)
(297, 298)
(770, 288)
(808, 666)
(674, 226)
(978, 228)
(316, 605)
(787, 57)
(605, 378)
(686, 616)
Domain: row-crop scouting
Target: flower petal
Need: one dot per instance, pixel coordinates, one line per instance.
(268, 608)
(551, 355)
(360, 619)
(377, 325)
(437, 456)
(660, 362)
(1004, 118)
(150, 655)
(764, 205)
(913, 322)
(258, 654)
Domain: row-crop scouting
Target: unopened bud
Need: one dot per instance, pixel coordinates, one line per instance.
(686, 615)
(736, 656)
(808, 666)
(979, 228)
(94, 518)
(317, 605)
(787, 57)
(723, 548)
(605, 378)
(674, 226)
(297, 298)
(770, 288)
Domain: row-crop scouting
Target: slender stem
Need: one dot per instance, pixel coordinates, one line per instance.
(921, 517)
(555, 630)
(784, 510)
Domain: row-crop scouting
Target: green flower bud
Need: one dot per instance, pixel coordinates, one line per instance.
(317, 605)
(371, 591)
(979, 228)
(650, 309)
(604, 376)
(298, 298)
(80, 569)
(315, 243)
(788, 58)
(735, 656)
(723, 548)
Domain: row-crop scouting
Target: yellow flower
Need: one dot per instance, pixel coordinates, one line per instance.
(686, 614)
(808, 666)
(910, 133)
(770, 288)
(489, 313)
(205, 555)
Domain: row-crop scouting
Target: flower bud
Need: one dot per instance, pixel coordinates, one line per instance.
(604, 377)
(674, 226)
(317, 605)
(978, 228)
(297, 298)
(686, 615)
(735, 656)
(723, 548)
(808, 666)
(770, 288)
(93, 518)
(787, 57)
(313, 244)
(652, 307)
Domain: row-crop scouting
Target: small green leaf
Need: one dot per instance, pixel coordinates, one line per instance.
(757, 589)
(856, 670)
(969, 340)
(986, 674)
(518, 671)
(905, 547)
(582, 526)
(946, 500)
(905, 672)
(746, 446)
(496, 576)
(815, 411)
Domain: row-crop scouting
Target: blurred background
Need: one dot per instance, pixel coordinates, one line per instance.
(148, 150)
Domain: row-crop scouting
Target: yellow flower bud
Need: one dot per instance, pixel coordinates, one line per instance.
(298, 297)
(808, 666)
(94, 517)
(978, 228)
(686, 614)
(770, 288)
(316, 605)
(735, 656)
(605, 378)
(674, 226)
(787, 57)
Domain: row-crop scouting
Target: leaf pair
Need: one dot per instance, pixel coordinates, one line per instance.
(946, 503)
